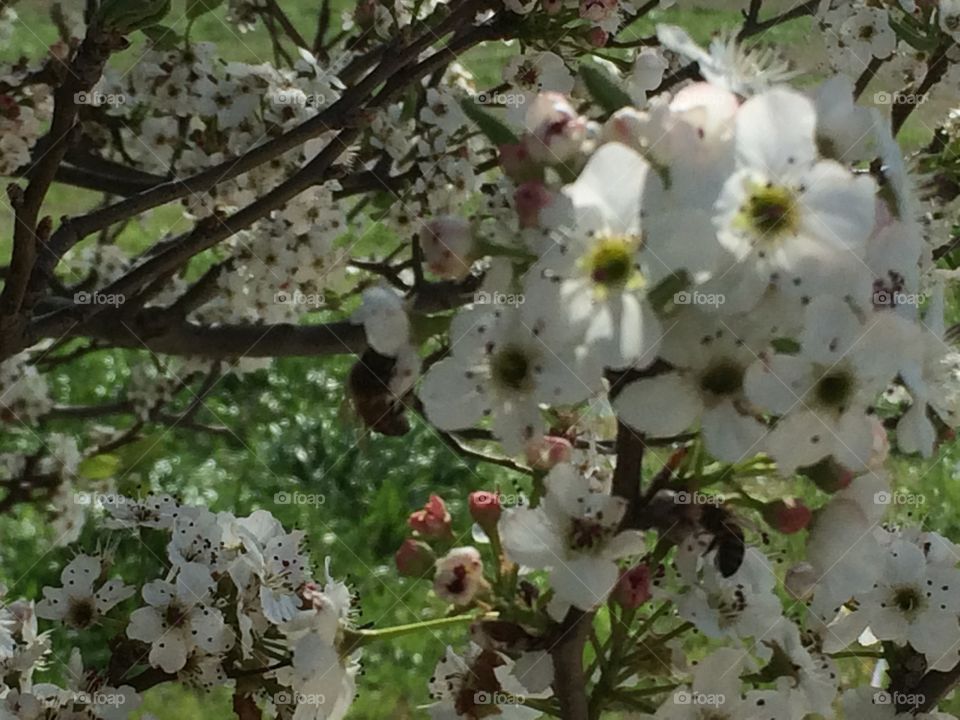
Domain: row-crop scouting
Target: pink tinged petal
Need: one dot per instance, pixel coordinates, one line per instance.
(775, 132)
(585, 581)
(659, 407)
(451, 399)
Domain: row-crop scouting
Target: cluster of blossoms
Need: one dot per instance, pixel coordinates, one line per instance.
(25, 108)
(733, 268)
(238, 594)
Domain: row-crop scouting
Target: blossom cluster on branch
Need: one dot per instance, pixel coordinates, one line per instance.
(695, 297)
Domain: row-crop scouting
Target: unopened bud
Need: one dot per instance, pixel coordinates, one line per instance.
(433, 520)
(448, 247)
(543, 453)
(787, 516)
(530, 198)
(633, 587)
(485, 508)
(414, 558)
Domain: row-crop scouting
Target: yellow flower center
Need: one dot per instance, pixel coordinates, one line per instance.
(770, 212)
(610, 262)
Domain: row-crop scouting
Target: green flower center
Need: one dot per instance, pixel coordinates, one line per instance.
(834, 389)
(723, 378)
(611, 263)
(511, 368)
(771, 211)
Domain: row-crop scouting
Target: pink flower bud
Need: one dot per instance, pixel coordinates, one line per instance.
(557, 131)
(485, 508)
(433, 521)
(597, 37)
(787, 516)
(552, 7)
(633, 587)
(545, 452)
(9, 108)
(414, 558)
(516, 163)
(448, 246)
(597, 10)
(530, 199)
(459, 576)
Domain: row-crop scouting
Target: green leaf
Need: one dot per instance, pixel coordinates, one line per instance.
(496, 131)
(196, 8)
(785, 346)
(98, 467)
(604, 89)
(162, 37)
(666, 290)
(123, 16)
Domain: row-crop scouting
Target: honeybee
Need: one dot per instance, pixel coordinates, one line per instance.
(729, 540)
(371, 396)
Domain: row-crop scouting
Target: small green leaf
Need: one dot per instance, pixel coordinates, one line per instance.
(603, 88)
(123, 16)
(162, 37)
(196, 8)
(98, 467)
(785, 346)
(496, 131)
(667, 290)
